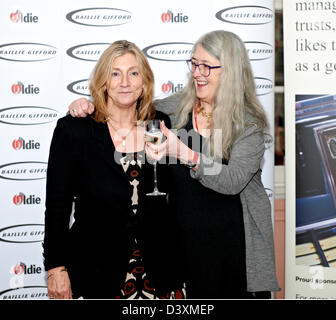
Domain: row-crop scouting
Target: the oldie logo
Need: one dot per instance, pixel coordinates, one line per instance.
(19, 17)
(27, 52)
(22, 199)
(26, 292)
(169, 51)
(27, 115)
(263, 86)
(22, 144)
(100, 17)
(79, 87)
(88, 51)
(258, 50)
(169, 87)
(248, 15)
(22, 268)
(22, 233)
(24, 171)
(20, 88)
(171, 17)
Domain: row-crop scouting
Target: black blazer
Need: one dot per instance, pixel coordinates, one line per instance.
(82, 170)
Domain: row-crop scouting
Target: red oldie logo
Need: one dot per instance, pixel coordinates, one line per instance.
(19, 268)
(19, 87)
(170, 87)
(171, 17)
(167, 87)
(21, 198)
(17, 144)
(16, 16)
(18, 199)
(166, 17)
(20, 143)
(19, 17)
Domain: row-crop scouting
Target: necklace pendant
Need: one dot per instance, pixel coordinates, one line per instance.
(123, 142)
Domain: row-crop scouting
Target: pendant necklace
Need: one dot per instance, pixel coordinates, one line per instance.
(123, 138)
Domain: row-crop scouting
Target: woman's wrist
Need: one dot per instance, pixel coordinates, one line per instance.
(54, 271)
(192, 160)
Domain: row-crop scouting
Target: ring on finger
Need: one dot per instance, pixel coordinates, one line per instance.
(74, 110)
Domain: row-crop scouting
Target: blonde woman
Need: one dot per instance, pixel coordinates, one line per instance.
(223, 211)
(118, 245)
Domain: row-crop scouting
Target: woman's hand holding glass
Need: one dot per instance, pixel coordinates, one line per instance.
(171, 147)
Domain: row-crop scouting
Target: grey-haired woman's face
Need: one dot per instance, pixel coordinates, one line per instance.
(206, 86)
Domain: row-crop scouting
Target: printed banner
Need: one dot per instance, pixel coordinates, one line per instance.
(47, 54)
(310, 100)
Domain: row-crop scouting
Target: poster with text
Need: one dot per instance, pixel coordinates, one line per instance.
(310, 126)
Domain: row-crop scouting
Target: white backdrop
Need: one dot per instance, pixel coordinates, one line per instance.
(47, 52)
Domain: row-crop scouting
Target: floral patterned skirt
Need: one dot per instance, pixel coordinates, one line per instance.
(138, 286)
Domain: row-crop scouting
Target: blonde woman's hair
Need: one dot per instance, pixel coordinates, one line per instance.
(235, 94)
(102, 73)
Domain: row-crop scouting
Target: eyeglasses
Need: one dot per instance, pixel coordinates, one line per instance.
(203, 68)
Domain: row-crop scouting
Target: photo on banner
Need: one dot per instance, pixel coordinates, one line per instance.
(315, 180)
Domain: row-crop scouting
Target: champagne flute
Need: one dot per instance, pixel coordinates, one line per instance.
(154, 135)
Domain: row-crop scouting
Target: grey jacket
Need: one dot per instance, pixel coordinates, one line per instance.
(242, 175)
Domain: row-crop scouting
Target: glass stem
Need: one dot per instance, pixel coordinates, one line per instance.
(155, 176)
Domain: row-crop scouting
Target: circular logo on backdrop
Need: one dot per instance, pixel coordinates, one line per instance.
(27, 115)
(258, 50)
(79, 87)
(87, 51)
(27, 52)
(100, 17)
(249, 15)
(24, 171)
(263, 86)
(169, 51)
(27, 292)
(22, 233)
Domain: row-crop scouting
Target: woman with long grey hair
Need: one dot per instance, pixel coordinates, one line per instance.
(224, 214)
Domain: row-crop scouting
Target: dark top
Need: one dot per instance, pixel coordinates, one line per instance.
(137, 283)
(212, 233)
(82, 169)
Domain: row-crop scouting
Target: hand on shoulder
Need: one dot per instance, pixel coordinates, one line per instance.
(81, 107)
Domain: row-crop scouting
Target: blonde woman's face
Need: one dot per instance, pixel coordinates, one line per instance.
(206, 87)
(125, 84)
